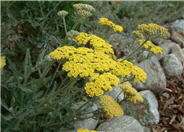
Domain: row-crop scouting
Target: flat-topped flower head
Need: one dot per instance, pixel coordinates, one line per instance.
(85, 130)
(153, 30)
(149, 45)
(131, 93)
(96, 42)
(96, 64)
(3, 61)
(62, 13)
(72, 34)
(101, 83)
(110, 106)
(105, 21)
(84, 10)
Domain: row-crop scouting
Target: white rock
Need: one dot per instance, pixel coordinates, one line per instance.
(122, 124)
(178, 25)
(166, 45)
(147, 129)
(89, 123)
(147, 112)
(116, 92)
(175, 49)
(172, 66)
(156, 80)
(145, 54)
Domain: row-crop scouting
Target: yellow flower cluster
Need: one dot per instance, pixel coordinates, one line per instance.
(85, 130)
(138, 34)
(153, 48)
(101, 82)
(96, 64)
(126, 69)
(132, 94)
(153, 30)
(84, 10)
(105, 21)
(97, 43)
(110, 106)
(3, 61)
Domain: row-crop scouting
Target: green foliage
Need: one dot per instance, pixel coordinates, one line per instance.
(36, 94)
(160, 12)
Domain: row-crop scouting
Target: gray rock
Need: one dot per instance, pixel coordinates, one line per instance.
(156, 80)
(120, 43)
(145, 54)
(147, 112)
(116, 92)
(177, 37)
(177, 51)
(178, 25)
(122, 124)
(89, 123)
(147, 129)
(172, 66)
(166, 45)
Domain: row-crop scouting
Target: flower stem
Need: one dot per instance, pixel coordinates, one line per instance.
(53, 77)
(64, 23)
(133, 52)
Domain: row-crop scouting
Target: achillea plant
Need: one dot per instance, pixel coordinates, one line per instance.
(149, 45)
(95, 63)
(131, 93)
(105, 21)
(84, 10)
(83, 71)
(110, 106)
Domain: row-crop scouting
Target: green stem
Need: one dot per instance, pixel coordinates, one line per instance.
(76, 24)
(64, 23)
(133, 52)
(82, 106)
(53, 77)
(56, 93)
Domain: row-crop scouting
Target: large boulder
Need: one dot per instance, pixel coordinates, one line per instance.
(178, 37)
(88, 123)
(175, 49)
(122, 124)
(166, 45)
(147, 112)
(178, 25)
(172, 66)
(156, 80)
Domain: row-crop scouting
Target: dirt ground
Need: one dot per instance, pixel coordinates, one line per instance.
(171, 106)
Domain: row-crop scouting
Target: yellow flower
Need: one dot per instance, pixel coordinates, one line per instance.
(96, 64)
(118, 28)
(97, 43)
(153, 30)
(85, 130)
(126, 69)
(153, 48)
(105, 21)
(131, 93)
(138, 34)
(110, 106)
(3, 61)
(101, 83)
